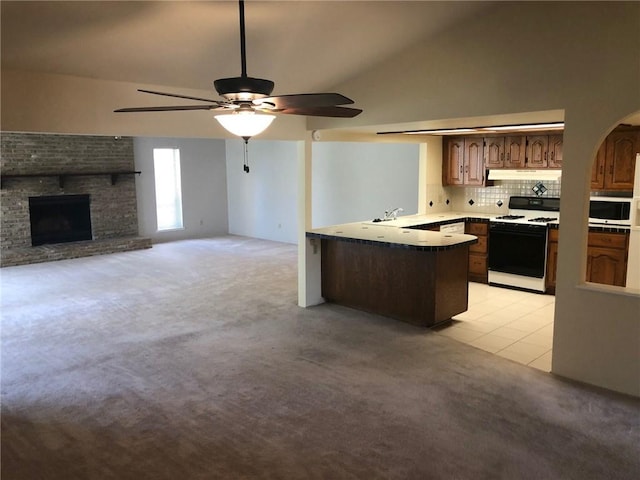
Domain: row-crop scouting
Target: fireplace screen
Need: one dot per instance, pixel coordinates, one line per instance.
(59, 219)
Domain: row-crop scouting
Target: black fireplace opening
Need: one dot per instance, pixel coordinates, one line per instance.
(60, 219)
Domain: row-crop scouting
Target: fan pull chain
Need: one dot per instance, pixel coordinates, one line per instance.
(246, 154)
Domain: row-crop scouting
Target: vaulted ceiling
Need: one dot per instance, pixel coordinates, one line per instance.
(304, 46)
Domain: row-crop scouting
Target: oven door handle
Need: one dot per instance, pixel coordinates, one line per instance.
(533, 230)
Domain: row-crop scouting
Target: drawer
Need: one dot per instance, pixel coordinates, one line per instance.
(554, 234)
(474, 228)
(477, 264)
(609, 240)
(457, 227)
(480, 247)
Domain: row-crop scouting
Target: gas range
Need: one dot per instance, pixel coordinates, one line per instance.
(518, 243)
(530, 218)
(530, 211)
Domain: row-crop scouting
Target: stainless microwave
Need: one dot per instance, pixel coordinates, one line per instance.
(610, 211)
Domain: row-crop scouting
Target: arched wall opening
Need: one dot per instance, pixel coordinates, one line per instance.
(612, 248)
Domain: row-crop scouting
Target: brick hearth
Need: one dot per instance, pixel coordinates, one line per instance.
(114, 215)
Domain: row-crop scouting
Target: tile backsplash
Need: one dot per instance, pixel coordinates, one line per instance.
(439, 198)
(494, 199)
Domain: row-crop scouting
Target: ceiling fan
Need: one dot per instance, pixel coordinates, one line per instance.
(248, 100)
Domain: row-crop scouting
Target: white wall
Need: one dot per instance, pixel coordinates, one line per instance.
(359, 181)
(351, 182)
(204, 187)
(263, 202)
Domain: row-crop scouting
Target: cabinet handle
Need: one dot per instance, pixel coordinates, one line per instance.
(508, 156)
(601, 169)
(545, 156)
(552, 156)
(502, 157)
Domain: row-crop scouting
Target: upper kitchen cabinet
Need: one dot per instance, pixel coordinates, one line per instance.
(505, 151)
(544, 151)
(555, 151)
(473, 161)
(466, 159)
(597, 171)
(453, 161)
(463, 162)
(494, 152)
(614, 166)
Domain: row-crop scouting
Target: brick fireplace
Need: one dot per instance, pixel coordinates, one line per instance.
(37, 168)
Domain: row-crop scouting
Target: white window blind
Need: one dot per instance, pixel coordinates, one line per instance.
(166, 164)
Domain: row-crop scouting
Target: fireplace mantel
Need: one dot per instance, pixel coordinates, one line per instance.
(62, 176)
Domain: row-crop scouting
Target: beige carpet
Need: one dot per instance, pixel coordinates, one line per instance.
(192, 361)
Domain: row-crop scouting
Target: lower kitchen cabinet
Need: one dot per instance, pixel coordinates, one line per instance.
(607, 258)
(478, 252)
(417, 285)
(552, 260)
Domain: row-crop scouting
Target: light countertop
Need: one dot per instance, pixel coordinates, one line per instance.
(393, 232)
(423, 219)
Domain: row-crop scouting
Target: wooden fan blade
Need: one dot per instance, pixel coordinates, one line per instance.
(167, 108)
(304, 100)
(334, 111)
(176, 95)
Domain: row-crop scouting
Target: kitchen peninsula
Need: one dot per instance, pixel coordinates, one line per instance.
(413, 275)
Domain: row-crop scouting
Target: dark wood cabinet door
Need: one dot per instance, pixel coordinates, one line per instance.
(555, 151)
(478, 251)
(494, 152)
(607, 258)
(620, 159)
(606, 266)
(597, 171)
(552, 260)
(514, 152)
(537, 151)
(473, 161)
(453, 162)
(552, 264)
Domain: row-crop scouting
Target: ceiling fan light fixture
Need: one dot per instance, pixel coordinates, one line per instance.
(245, 124)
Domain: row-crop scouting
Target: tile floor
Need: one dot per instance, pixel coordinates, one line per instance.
(513, 324)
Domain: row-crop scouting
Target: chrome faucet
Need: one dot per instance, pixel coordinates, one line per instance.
(392, 214)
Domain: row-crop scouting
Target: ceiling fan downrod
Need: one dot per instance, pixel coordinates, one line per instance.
(243, 43)
(243, 88)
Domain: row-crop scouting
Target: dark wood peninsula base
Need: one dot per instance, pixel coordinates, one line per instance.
(418, 286)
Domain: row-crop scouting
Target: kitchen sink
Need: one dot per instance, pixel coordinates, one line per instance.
(386, 223)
